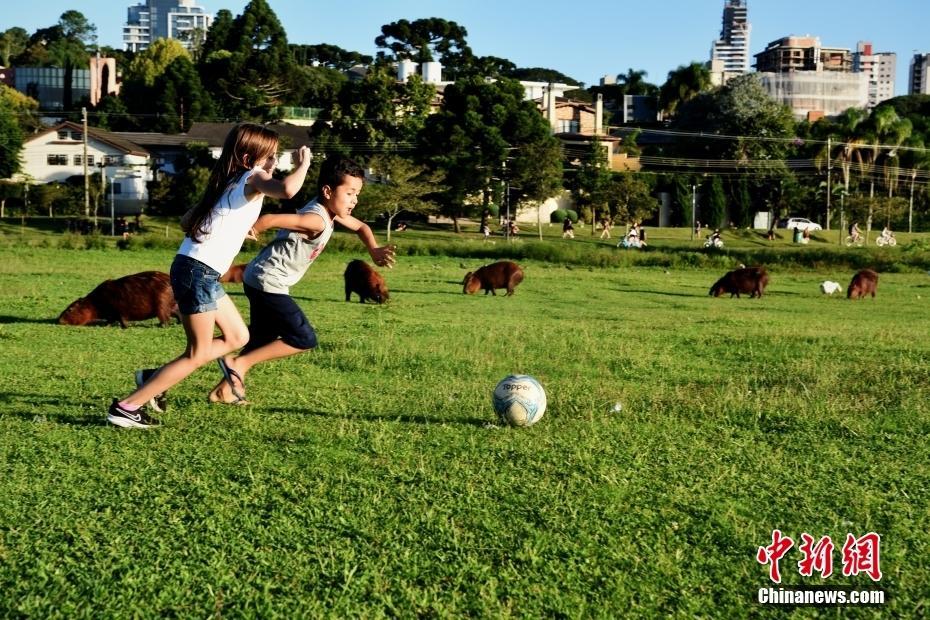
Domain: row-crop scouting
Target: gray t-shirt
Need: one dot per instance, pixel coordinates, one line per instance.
(284, 261)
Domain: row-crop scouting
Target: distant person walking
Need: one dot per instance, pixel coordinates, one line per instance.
(605, 228)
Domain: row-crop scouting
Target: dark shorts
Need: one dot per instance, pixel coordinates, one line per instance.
(273, 316)
(196, 286)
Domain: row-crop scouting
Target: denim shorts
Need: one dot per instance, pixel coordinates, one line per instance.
(196, 286)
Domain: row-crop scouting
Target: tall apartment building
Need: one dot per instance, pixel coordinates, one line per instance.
(729, 55)
(880, 66)
(811, 79)
(920, 75)
(164, 19)
(802, 54)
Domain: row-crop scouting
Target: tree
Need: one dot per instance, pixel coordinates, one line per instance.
(13, 42)
(540, 74)
(375, 115)
(11, 139)
(248, 68)
(716, 204)
(321, 86)
(631, 198)
(218, 35)
(150, 63)
(329, 56)
(403, 187)
(75, 27)
(884, 133)
(181, 99)
(484, 130)
(634, 83)
(24, 108)
(683, 84)
(590, 183)
(423, 39)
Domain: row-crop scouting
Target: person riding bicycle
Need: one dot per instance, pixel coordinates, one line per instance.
(715, 237)
(854, 232)
(887, 235)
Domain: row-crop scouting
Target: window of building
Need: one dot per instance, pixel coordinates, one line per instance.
(79, 160)
(117, 188)
(112, 160)
(62, 134)
(77, 135)
(57, 160)
(569, 126)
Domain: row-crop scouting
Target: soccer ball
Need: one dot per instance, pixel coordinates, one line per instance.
(519, 400)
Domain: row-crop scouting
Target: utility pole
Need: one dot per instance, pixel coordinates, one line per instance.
(503, 198)
(693, 208)
(103, 192)
(86, 177)
(910, 206)
(829, 174)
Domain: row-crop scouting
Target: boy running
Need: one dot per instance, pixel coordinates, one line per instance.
(277, 326)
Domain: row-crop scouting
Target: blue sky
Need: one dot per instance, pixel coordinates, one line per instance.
(584, 40)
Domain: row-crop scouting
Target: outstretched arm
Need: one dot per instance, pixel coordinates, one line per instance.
(382, 255)
(262, 182)
(308, 223)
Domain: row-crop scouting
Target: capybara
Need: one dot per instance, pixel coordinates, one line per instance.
(137, 297)
(366, 282)
(234, 274)
(504, 274)
(863, 283)
(752, 280)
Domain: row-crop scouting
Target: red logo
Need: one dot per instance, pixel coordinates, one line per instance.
(860, 555)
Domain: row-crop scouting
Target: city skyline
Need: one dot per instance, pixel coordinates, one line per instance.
(608, 39)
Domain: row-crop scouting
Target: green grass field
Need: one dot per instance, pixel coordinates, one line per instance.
(370, 478)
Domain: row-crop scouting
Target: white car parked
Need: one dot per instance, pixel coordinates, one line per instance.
(801, 223)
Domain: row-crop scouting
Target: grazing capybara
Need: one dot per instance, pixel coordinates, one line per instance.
(504, 274)
(752, 280)
(366, 282)
(137, 297)
(863, 283)
(234, 274)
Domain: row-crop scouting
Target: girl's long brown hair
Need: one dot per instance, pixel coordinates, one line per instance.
(246, 146)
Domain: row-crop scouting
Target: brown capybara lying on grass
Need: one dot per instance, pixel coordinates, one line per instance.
(752, 280)
(234, 274)
(863, 283)
(504, 274)
(366, 282)
(137, 297)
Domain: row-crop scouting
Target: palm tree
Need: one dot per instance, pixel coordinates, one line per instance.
(885, 132)
(915, 158)
(844, 133)
(684, 83)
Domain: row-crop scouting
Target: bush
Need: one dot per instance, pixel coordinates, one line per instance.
(572, 215)
(558, 216)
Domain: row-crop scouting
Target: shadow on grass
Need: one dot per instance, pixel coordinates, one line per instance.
(59, 418)
(664, 293)
(381, 417)
(412, 292)
(6, 319)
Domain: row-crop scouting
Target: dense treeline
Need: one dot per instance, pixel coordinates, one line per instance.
(729, 151)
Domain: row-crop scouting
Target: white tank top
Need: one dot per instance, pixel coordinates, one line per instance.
(230, 220)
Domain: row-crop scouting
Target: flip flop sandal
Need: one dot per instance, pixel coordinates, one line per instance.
(216, 400)
(229, 374)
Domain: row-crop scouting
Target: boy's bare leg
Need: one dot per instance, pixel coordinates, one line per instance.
(243, 363)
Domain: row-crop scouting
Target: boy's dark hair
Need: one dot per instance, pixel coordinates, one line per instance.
(335, 169)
